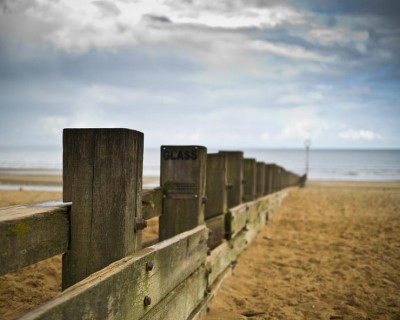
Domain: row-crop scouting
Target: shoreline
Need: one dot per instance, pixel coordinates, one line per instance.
(35, 179)
(51, 179)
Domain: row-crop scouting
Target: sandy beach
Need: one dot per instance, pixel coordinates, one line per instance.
(331, 251)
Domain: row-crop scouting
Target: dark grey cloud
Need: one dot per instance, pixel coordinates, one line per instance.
(108, 8)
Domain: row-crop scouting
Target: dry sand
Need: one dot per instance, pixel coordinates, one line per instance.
(327, 253)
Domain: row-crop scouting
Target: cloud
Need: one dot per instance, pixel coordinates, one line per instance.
(302, 123)
(290, 51)
(358, 135)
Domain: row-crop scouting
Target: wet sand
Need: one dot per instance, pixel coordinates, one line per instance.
(330, 252)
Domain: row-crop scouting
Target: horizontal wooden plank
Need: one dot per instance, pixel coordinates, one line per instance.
(218, 261)
(151, 203)
(32, 233)
(253, 212)
(265, 202)
(216, 225)
(119, 290)
(183, 300)
(235, 220)
(202, 309)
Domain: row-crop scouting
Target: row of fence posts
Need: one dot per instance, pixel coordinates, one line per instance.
(102, 177)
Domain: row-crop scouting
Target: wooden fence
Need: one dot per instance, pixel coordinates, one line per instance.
(210, 207)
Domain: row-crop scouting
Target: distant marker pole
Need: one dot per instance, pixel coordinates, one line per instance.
(307, 144)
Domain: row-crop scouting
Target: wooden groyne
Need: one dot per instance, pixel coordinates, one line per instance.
(210, 207)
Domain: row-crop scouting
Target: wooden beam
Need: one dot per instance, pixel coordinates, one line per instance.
(183, 300)
(268, 178)
(235, 220)
(38, 231)
(151, 203)
(183, 183)
(119, 290)
(216, 225)
(234, 177)
(218, 261)
(249, 179)
(202, 309)
(260, 188)
(216, 182)
(102, 177)
(32, 233)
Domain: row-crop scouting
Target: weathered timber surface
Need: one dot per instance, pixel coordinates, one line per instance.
(253, 212)
(202, 309)
(218, 261)
(181, 301)
(235, 220)
(118, 291)
(260, 186)
(32, 233)
(183, 183)
(151, 203)
(249, 179)
(216, 225)
(266, 202)
(216, 192)
(268, 178)
(234, 177)
(102, 177)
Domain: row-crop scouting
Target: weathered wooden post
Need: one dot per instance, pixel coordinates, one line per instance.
(183, 183)
(216, 193)
(260, 179)
(234, 176)
(102, 177)
(268, 178)
(249, 179)
(275, 177)
(216, 185)
(279, 178)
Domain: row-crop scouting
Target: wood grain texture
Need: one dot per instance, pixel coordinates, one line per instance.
(202, 309)
(235, 220)
(183, 183)
(181, 302)
(216, 225)
(32, 233)
(218, 261)
(118, 291)
(249, 178)
(268, 178)
(234, 177)
(260, 185)
(151, 203)
(103, 179)
(216, 182)
(38, 231)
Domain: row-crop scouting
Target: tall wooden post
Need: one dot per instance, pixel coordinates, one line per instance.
(278, 178)
(216, 185)
(234, 176)
(274, 178)
(102, 177)
(260, 179)
(183, 183)
(268, 178)
(249, 177)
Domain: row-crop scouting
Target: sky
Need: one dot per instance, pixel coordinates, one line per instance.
(223, 74)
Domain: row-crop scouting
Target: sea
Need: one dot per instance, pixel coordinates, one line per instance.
(323, 164)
